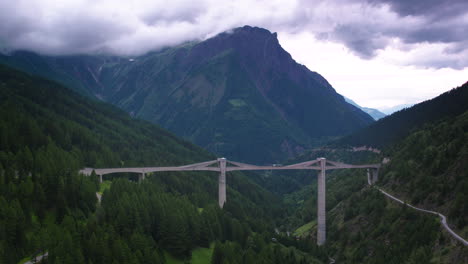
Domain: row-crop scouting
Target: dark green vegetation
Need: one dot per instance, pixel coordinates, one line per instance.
(238, 94)
(48, 133)
(366, 227)
(391, 129)
(428, 169)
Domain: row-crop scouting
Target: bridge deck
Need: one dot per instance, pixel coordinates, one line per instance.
(232, 166)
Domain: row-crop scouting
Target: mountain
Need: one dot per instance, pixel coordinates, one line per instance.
(393, 109)
(48, 132)
(374, 113)
(391, 129)
(427, 168)
(239, 94)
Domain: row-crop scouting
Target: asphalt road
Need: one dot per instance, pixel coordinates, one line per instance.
(443, 219)
(38, 259)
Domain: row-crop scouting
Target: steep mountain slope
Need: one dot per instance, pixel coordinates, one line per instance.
(363, 226)
(239, 93)
(391, 129)
(427, 169)
(48, 132)
(430, 168)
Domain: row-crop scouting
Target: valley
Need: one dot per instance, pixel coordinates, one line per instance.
(288, 199)
(238, 95)
(221, 150)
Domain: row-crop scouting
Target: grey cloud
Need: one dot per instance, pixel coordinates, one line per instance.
(362, 25)
(437, 9)
(88, 34)
(438, 63)
(443, 20)
(184, 13)
(365, 41)
(440, 22)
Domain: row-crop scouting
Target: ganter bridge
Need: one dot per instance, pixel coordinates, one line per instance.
(222, 166)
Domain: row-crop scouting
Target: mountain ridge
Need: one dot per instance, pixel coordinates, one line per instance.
(233, 94)
(375, 113)
(398, 125)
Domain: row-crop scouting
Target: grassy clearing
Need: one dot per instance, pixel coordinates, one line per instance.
(305, 229)
(237, 102)
(202, 255)
(171, 260)
(26, 259)
(105, 185)
(199, 256)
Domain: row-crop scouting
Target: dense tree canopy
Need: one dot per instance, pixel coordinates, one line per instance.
(47, 133)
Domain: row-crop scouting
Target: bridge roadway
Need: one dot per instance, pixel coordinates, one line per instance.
(207, 166)
(222, 166)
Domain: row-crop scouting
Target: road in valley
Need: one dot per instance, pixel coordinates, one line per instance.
(443, 219)
(38, 259)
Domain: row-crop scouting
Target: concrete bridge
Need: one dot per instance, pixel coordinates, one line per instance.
(222, 166)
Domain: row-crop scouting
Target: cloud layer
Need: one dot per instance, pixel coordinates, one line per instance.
(433, 33)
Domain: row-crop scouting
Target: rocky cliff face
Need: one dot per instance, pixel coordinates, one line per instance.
(239, 94)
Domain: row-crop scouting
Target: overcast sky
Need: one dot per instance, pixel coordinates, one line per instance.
(380, 53)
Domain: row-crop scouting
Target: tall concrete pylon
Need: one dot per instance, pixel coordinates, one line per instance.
(321, 217)
(141, 177)
(369, 179)
(375, 175)
(222, 182)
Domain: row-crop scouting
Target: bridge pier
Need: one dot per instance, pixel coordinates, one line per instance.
(100, 178)
(372, 175)
(222, 182)
(141, 177)
(375, 175)
(321, 217)
(369, 178)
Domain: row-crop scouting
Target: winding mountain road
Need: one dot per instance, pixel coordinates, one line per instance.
(443, 219)
(37, 259)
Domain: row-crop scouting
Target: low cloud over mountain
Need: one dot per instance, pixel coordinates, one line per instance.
(135, 27)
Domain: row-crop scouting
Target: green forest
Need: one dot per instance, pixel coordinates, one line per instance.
(393, 128)
(48, 133)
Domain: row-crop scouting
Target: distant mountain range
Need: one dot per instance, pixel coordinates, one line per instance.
(393, 109)
(374, 113)
(238, 94)
(395, 127)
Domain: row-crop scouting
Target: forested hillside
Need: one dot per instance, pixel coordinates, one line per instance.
(393, 128)
(428, 169)
(48, 133)
(363, 226)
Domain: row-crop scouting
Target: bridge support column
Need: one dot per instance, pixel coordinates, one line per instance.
(100, 178)
(369, 178)
(222, 182)
(375, 175)
(141, 177)
(321, 217)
